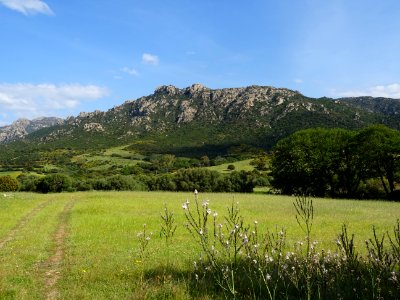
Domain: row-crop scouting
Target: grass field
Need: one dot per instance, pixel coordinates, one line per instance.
(13, 174)
(242, 165)
(85, 246)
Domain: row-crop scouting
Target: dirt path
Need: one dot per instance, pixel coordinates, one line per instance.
(53, 265)
(22, 223)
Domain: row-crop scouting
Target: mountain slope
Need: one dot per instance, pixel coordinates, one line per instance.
(22, 127)
(197, 120)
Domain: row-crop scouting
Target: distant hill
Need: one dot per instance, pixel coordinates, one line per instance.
(197, 120)
(22, 127)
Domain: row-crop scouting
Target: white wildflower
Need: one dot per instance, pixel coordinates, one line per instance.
(245, 239)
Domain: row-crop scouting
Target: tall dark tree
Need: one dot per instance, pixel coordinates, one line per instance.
(302, 163)
(379, 146)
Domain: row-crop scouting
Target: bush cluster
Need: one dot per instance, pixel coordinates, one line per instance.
(8, 184)
(204, 180)
(182, 180)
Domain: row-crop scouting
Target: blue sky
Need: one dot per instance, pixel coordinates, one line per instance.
(61, 57)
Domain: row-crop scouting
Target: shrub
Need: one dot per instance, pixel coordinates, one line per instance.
(371, 189)
(8, 184)
(125, 183)
(117, 183)
(231, 167)
(27, 182)
(242, 182)
(100, 184)
(54, 183)
(81, 185)
(200, 179)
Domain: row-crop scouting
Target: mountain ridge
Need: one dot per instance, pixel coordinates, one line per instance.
(196, 116)
(22, 127)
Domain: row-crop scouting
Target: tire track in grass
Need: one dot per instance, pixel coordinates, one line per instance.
(53, 265)
(22, 223)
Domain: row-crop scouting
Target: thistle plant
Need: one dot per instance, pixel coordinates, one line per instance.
(220, 243)
(346, 245)
(395, 243)
(243, 263)
(168, 225)
(144, 239)
(304, 216)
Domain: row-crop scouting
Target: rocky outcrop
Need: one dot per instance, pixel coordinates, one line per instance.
(93, 127)
(22, 127)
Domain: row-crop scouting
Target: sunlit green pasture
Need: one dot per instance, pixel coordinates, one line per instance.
(242, 165)
(101, 250)
(13, 174)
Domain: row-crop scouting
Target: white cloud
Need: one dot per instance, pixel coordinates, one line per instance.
(388, 91)
(28, 7)
(150, 59)
(130, 71)
(297, 80)
(30, 100)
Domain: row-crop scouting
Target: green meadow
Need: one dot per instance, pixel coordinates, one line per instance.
(242, 165)
(85, 245)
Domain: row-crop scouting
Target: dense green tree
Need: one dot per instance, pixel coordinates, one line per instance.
(300, 163)
(28, 182)
(379, 146)
(242, 181)
(201, 179)
(231, 167)
(336, 161)
(260, 162)
(205, 161)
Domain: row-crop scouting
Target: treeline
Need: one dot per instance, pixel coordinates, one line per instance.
(339, 163)
(182, 180)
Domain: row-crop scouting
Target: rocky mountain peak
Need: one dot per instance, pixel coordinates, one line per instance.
(22, 127)
(195, 89)
(169, 90)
